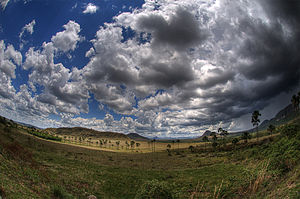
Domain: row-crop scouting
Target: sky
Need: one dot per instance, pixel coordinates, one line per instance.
(160, 68)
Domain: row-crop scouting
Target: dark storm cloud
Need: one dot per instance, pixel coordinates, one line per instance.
(221, 78)
(110, 68)
(181, 32)
(166, 75)
(288, 10)
(273, 49)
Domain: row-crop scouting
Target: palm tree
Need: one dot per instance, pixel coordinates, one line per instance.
(205, 139)
(295, 101)
(215, 138)
(118, 144)
(271, 128)
(127, 144)
(178, 143)
(220, 130)
(255, 120)
(137, 145)
(132, 144)
(235, 141)
(168, 149)
(246, 136)
(153, 145)
(192, 149)
(169, 146)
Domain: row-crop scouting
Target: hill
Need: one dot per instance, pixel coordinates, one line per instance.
(84, 132)
(36, 168)
(285, 115)
(137, 137)
(206, 133)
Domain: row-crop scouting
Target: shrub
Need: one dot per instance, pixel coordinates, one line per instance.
(284, 155)
(154, 190)
(291, 130)
(45, 136)
(60, 193)
(2, 193)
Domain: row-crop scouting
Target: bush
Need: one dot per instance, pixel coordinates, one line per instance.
(45, 136)
(284, 155)
(154, 190)
(291, 130)
(60, 193)
(2, 193)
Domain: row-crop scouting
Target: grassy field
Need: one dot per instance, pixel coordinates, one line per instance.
(32, 167)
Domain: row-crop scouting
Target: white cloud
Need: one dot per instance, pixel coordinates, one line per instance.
(28, 28)
(4, 3)
(67, 40)
(187, 68)
(62, 89)
(90, 9)
(9, 58)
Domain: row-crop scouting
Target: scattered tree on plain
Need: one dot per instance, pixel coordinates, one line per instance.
(246, 136)
(271, 129)
(255, 120)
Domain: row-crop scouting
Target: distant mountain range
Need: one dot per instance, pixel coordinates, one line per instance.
(283, 116)
(137, 137)
(85, 132)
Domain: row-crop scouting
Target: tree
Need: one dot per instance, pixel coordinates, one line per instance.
(205, 139)
(255, 120)
(214, 145)
(235, 141)
(105, 142)
(192, 149)
(295, 101)
(220, 130)
(127, 144)
(169, 146)
(137, 145)
(132, 144)
(215, 138)
(271, 129)
(178, 143)
(246, 136)
(213, 133)
(118, 144)
(153, 145)
(168, 149)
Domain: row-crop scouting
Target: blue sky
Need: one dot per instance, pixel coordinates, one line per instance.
(158, 68)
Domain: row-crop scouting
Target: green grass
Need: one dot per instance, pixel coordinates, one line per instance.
(44, 135)
(36, 168)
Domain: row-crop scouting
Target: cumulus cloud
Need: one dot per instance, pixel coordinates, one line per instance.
(67, 40)
(188, 66)
(59, 91)
(181, 30)
(213, 60)
(9, 58)
(90, 9)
